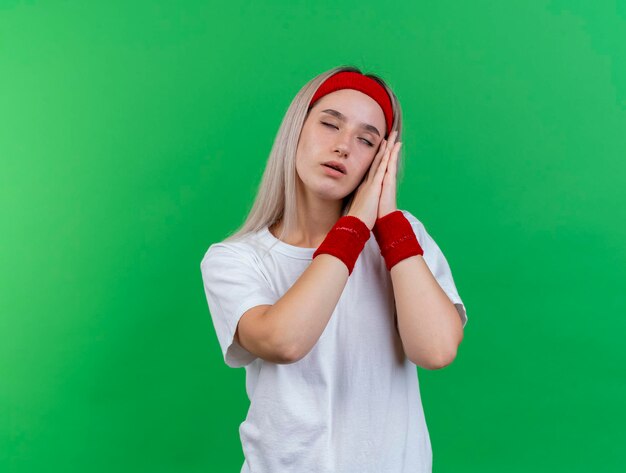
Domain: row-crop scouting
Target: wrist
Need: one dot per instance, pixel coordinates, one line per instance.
(396, 238)
(345, 240)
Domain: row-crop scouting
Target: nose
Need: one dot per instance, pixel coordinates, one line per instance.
(342, 147)
(342, 151)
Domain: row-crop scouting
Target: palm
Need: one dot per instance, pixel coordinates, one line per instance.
(388, 201)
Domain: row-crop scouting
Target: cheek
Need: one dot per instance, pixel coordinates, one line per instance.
(369, 161)
(306, 145)
(360, 174)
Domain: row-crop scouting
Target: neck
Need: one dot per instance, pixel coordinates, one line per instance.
(315, 218)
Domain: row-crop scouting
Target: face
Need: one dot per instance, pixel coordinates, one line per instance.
(346, 126)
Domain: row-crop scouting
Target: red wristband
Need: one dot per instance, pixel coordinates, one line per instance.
(345, 240)
(396, 238)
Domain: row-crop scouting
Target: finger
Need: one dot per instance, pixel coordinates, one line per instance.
(394, 162)
(389, 178)
(380, 173)
(376, 163)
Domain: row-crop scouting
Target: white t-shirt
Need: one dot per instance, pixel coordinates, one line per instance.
(352, 404)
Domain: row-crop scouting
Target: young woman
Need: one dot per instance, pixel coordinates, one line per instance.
(330, 296)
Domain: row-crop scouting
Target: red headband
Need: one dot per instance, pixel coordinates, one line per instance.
(362, 83)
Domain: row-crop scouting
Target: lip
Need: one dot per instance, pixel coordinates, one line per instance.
(338, 165)
(332, 172)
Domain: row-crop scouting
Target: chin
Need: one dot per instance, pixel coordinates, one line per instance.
(328, 189)
(330, 192)
(331, 195)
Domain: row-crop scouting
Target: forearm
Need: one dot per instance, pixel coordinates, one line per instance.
(300, 316)
(428, 322)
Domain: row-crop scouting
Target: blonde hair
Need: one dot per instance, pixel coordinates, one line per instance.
(276, 197)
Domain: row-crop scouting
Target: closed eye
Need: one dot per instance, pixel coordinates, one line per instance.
(333, 126)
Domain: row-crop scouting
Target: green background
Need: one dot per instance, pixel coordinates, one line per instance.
(133, 136)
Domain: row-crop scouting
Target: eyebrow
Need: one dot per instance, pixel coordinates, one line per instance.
(342, 117)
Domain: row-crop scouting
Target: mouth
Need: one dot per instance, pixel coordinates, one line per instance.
(338, 167)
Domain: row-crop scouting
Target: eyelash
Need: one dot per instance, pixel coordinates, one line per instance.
(333, 126)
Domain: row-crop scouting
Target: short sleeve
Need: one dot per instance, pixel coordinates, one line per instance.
(437, 263)
(233, 283)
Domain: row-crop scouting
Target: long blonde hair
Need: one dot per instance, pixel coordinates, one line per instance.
(276, 197)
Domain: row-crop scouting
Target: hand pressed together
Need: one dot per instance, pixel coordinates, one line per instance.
(376, 195)
(387, 202)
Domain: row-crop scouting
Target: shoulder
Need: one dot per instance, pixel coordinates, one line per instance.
(416, 223)
(424, 238)
(411, 218)
(225, 252)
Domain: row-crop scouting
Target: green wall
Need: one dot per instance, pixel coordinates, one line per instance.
(133, 136)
